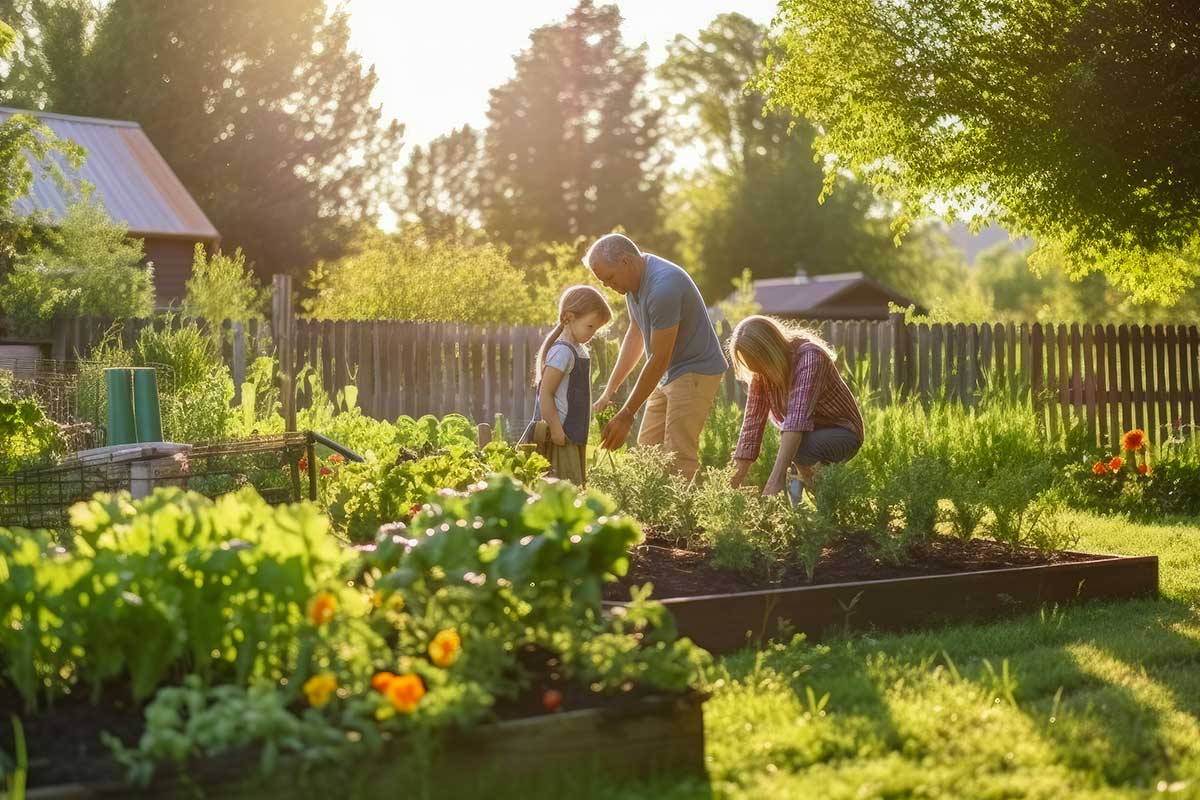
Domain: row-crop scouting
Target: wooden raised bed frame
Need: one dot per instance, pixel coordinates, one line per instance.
(638, 738)
(725, 623)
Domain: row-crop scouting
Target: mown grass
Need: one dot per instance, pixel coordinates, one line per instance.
(1095, 701)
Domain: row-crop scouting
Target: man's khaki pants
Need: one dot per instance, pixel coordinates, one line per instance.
(675, 415)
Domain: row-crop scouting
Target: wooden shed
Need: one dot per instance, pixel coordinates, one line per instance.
(847, 295)
(137, 187)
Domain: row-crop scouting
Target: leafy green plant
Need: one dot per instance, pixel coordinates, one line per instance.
(26, 435)
(222, 287)
(644, 485)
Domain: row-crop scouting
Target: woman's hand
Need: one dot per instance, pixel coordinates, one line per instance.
(558, 436)
(741, 469)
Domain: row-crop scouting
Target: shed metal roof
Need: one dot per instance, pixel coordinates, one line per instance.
(132, 179)
(795, 296)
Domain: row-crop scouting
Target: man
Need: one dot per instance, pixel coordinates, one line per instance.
(684, 362)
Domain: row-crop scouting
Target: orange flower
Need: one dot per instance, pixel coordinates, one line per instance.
(336, 458)
(1144, 469)
(322, 608)
(1134, 439)
(443, 650)
(320, 688)
(405, 692)
(326, 472)
(1116, 464)
(381, 680)
(1100, 468)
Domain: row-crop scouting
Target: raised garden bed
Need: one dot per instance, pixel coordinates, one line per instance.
(637, 737)
(946, 581)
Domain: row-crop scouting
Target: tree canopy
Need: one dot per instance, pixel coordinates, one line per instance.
(1066, 120)
(262, 108)
(571, 148)
(754, 200)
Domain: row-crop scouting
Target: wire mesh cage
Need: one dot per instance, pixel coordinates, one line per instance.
(72, 394)
(273, 465)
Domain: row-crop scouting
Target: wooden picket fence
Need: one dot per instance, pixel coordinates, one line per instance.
(1108, 378)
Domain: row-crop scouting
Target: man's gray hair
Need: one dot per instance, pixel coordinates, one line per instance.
(610, 248)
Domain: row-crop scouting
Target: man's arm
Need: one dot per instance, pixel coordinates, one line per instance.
(627, 358)
(662, 345)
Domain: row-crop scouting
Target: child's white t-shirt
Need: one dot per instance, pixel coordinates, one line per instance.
(563, 358)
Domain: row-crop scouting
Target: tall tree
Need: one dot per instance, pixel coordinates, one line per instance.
(1065, 120)
(261, 108)
(572, 142)
(442, 184)
(755, 201)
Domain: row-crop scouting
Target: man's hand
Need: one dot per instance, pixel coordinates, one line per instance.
(602, 403)
(617, 430)
(741, 469)
(774, 486)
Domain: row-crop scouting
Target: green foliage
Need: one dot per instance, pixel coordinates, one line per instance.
(643, 483)
(755, 203)
(265, 114)
(555, 170)
(197, 407)
(26, 436)
(719, 439)
(1067, 132)
(27, 144)
(442, 185)
(408, 276)
(222, 287)
(132, 594)
(85, 266)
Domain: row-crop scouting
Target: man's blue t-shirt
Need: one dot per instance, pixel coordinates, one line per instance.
(667, 296)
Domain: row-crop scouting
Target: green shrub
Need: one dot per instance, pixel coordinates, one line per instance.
(643, 483)
(27, 437)
(87, 266)
(197, 407)
(222, 287)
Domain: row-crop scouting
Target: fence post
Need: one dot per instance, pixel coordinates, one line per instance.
(900, 352)
(282, 325)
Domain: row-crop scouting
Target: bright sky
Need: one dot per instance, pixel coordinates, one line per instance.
(437, 59)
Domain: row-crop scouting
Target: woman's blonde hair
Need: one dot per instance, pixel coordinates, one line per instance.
(578, 301)
(763, 346)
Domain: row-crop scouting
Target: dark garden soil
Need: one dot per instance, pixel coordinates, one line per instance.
(678, 572)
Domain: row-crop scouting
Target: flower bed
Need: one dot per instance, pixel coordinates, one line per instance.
(191, 631)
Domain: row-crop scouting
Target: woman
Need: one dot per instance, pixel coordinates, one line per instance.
(792, 376)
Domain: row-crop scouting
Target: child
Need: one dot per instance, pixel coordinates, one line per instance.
(563, 412)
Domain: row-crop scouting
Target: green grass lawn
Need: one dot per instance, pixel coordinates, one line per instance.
(1101, 700)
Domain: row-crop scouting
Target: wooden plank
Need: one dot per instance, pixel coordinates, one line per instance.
(1137, 357)
(1037, 377)
(986, 363)
(1194, 373)
(1076, 345)
(1063, 343)
(997, 366)
(923, 347)
(462, 402)
(1020, 375)
(910, 359)
(1053, 392)
(720, 622)
(1161, 387)
(1089, 379)
(1124, 359)
(875, 349)
(1174, 395)
(1112, 385)
(966, 360)
(936, 362)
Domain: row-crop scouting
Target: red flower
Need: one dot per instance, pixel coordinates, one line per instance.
(1134, 440)
(1116, 464)
(414, 510)
(303, 463)
(1100, 468)
(336, 458)
(1144, 469)
(326, 471)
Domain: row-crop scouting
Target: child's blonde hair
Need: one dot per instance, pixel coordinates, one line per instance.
(763, 346)
(577, 301)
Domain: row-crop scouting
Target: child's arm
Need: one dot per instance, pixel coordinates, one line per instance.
(551, 378)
